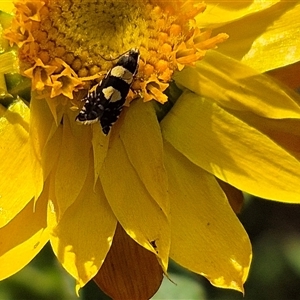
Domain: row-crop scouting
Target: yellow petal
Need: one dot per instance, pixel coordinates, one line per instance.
(73, 162)
(45, 133)
(50, 155)
(284, 132)
(3, 89)
(265, 40)
(278, 45)
(207, 237)
(41, 123)
(23, 238)
(129, 270)
(5, 22)
(7, 6)
(8, 62)
(239, 87)
(137, 212)
(84, 235)
(141, 136)
(100, 144)
(57, 107)
(222, 12)
(20, 173)
(233, 151)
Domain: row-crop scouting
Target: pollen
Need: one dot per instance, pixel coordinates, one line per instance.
(66, 46)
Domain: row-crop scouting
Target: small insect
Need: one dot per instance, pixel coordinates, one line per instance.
(106, 102)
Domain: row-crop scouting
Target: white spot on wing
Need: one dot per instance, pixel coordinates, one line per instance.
(122, 73)
(111, 94)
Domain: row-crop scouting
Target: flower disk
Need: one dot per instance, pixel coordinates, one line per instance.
(64, 45)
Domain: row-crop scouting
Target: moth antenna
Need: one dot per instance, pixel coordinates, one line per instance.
(112, 59)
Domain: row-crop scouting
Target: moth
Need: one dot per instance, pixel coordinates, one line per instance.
(106, 102)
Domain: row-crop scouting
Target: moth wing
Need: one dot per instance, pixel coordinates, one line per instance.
(111, 115)
(94, 105)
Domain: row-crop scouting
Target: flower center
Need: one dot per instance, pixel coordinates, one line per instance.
(74, 42)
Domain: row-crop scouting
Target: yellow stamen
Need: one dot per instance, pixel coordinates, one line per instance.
(40, 74)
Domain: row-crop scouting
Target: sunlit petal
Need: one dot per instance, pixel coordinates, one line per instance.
(17, 188)
(239, 87)
(268, 43)
(73, 162)
(41, 123)
(265, 40)
(23, 238)
(7, 6)
(278, 45)
(144, 147)
(233, 151)
(138, 213)
(50, 154)
(84, 235)
(283, 132)
(205, 224)
(222, 12)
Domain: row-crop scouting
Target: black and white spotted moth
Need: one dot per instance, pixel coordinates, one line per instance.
(106, 102)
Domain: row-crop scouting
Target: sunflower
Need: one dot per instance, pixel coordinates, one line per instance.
(197, 126)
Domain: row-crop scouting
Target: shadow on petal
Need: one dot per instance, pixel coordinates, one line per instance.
(235, 197)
